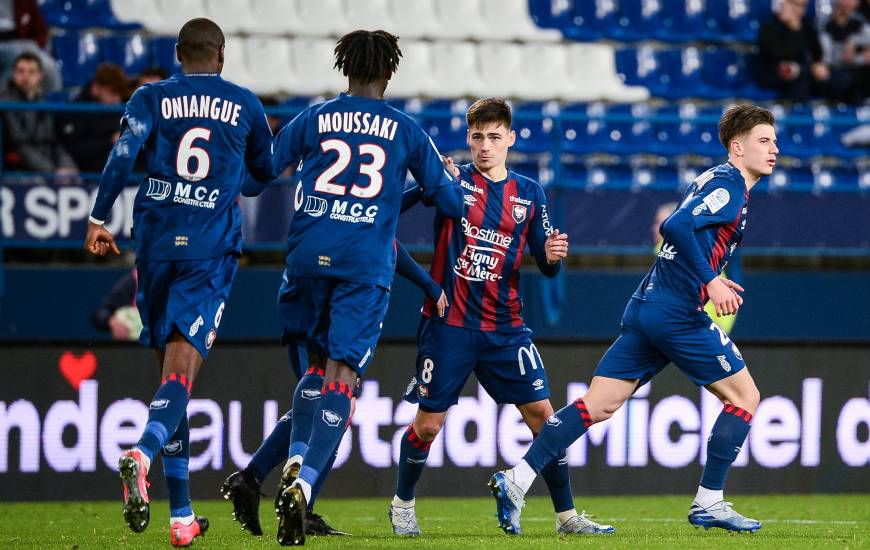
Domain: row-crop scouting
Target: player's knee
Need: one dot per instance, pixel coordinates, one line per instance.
(427, 427)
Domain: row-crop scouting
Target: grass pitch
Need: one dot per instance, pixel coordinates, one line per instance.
(806, 521)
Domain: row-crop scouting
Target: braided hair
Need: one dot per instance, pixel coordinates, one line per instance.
(366, 56)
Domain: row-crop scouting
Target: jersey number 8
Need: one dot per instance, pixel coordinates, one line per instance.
(324, 183)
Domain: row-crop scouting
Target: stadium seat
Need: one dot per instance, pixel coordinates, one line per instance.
(313, 60)
(501, 69)
(236, 65)
(444, 121)
(417, 19)
(591, 20)
(684, 67)
(511, 20)
(414, 77)
(78, 56)
(639, 20)
(371, 15)
(79, 14)
(271, 61)
(643, 66)
(320, 18)
(234, 17)
(550, 15)
(163, 54)
(145, 12)
(594, 66)
(130, 52)
(278, 17)
(454, 70)
(732, 20)
(546, 75)
(584, 130)
(463, 20)
(633, 133)
(683, 20)
(533, 124)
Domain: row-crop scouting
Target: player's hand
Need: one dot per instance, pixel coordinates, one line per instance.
(725, 299)
(99, 241)
(120, 331)
(735, 288)
(556, 246)
(441, 304)
(451, 167)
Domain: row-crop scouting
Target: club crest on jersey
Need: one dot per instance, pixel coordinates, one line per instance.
(519, 212)
(331, 418)
(158, 189)
(736, 351)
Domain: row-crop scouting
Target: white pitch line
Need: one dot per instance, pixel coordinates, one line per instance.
(647, 520)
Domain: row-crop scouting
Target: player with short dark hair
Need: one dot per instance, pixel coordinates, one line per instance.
(200, 133)
(665, 321)
(477, 262)
(355, 152)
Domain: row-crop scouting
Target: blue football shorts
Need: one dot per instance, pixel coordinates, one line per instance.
(653, 334)
(187, 296)
(507, 365)
(341, 320)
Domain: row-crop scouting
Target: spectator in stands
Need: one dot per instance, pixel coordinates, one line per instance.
(151, 74)
(22, 28)
(89, 137)
(790, 56)
(845, 39)
(29, 139)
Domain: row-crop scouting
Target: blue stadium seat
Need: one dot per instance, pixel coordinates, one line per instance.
(586, 135)
(448, 132)
(685, 67)
(637, 20)
(533, 124)
(131, 52)
(78, 56)
(80, 14)
(592, 20)
(682, 20)
(735, 20)
(644, 66)
(163, 54)
(632, 134)
(550, 15)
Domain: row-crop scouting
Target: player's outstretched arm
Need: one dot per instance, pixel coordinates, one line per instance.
(411, 270)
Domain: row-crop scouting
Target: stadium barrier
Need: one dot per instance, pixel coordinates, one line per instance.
(67, 413)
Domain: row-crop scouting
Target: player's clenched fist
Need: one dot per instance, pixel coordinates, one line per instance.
(723, 294)
(556, 246)
(99, 241)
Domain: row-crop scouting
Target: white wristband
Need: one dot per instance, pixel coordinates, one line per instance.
(95, 221)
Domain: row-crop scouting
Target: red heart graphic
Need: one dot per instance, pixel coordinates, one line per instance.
(76, 369)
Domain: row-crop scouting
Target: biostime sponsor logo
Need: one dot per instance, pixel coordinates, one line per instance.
(477, 263)
(490, 236)
(670, 432)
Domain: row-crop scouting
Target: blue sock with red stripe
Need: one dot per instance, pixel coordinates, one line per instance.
(164, 414)
(559, 432)
(306, 401)
(328, 425)
(558, 479)
(272, 451)
(176, 458)
(728, 434)
(412, 458)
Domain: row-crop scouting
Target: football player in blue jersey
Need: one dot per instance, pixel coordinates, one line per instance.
(200, 133)
(242, 488)
(356, 151)
(665, 322)
(477, 262)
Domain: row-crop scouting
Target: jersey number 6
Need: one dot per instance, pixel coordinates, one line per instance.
(324, 183)
(187, 151)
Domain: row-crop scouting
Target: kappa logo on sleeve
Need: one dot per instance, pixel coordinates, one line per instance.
(716, 200)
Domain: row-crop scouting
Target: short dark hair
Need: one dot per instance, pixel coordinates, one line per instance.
(740, 120)
(199, 40)
(27, 56)
(366, 56)
(111, 76)
(491, 110)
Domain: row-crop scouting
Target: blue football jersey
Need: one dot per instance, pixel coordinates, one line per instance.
(718, 204)
(200, 134)
(355, 155)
